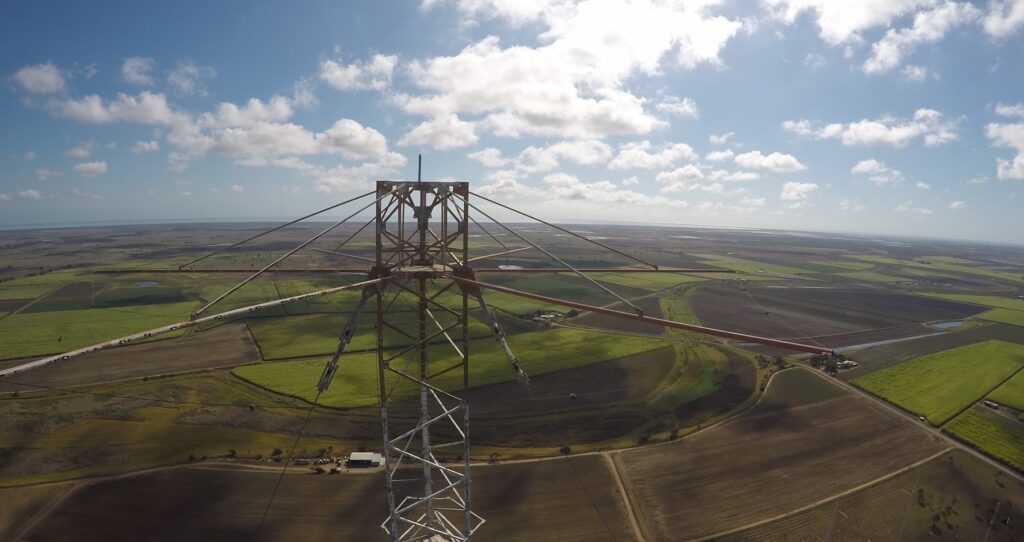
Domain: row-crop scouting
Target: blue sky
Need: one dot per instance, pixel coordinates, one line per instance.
(884, 116)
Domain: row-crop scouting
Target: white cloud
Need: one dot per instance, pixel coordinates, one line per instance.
(929, 26)
(145, 108)
(489, 157)
(723, 175)
(909, 208)
(373, 75)
(879, 173)
(90, 169)
(930, 125)
(815, 61)
(680, 107)
(186, 193)
(797, 192)
(641, 155)
(921, 185)
(851, 205)
(916, 73)
(719, 156)
(586, 152)
(573, 84)
(977, 179)
(6, 197)
(136, 71)
(778, 162)
(189, 78)
(44, 174)
(343, 177)
(84, 195)
(1010, 110)
(842, 21)
(717, 189)
(720, 139)
(869, 166)
(145, 146)
(1004, 17)
(303, 94)
(30, 194)
(630, 181)
(237, 188)
(682, 175)
(40, 79)
(82, 150)
(1011, 136)
(442, 132)
(958, 205)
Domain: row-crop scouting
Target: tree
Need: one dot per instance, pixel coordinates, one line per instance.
(232, 453)
(277, 451)
(565, 450)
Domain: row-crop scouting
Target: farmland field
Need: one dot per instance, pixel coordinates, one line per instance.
(1005, 316)
(786, 452)
(28, 291)
(986, 300)
(226, 345)
(992, 433)
(825, 314)
(53, 332)
(537, 353)
(940, 385)
(950, 497)
(1011, 393)
(526, 501)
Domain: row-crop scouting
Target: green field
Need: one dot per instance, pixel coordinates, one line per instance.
(985, 300)
(942, 264)
(871, 276)
(844, 264)
(540, 352)
(34, 334)
(755, 268)
(940, 385)
(1011, 393)
(991, 433)
(1004, 316)
(26, 291)
(645, 281)
(68, 435)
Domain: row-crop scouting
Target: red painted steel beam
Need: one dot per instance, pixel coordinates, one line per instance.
(599, 270)
(647, 319)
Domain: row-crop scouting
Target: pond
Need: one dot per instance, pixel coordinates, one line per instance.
(147, 283)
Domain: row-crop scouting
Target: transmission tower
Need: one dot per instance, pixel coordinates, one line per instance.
(422, 257)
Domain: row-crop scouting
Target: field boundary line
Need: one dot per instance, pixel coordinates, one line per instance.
(927, 428)
(627, 498)
(981, 399)
(826, 500)
(45, 511)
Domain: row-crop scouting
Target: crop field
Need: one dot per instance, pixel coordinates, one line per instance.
(887, 355)
(818, 313)
(755, 268)
(1011, 393)
(118, 428)
(767, 461)
(941, 265)
(52, 332)
(520, 502)
(27, 291)
(11, 305)
(73, 296)
(986, 300)
(225, 346)
(998, 436)
(651, 282)
(951, 497)
(19, 506)
(871, 276)
(1005, 316)
(542, 352)
(940, 385)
